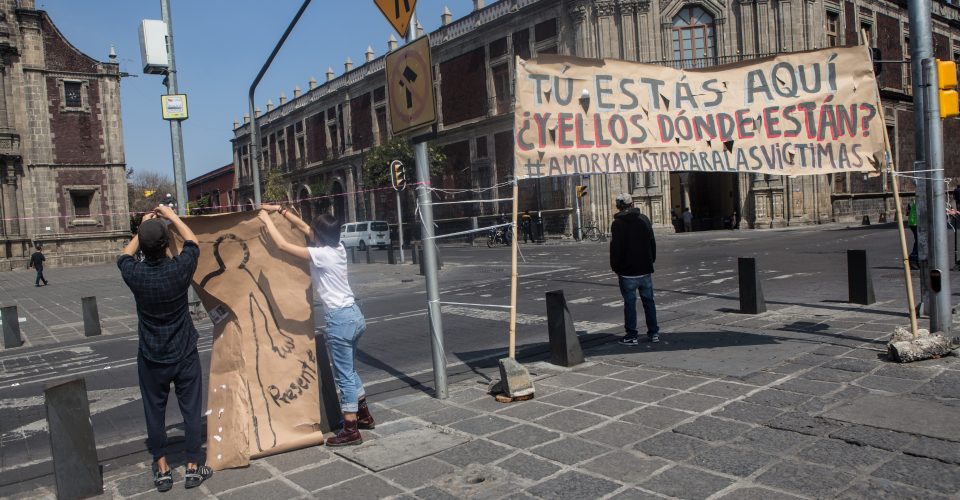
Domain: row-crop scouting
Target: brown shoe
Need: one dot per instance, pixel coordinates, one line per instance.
(347, 436)
(364, 418)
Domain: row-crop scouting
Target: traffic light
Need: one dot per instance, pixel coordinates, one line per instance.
(947, 78)
(581, 190)
(398, 175)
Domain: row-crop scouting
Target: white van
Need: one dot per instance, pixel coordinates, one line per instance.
(365, 234)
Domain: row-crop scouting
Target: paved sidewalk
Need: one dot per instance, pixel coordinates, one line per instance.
(820, 415)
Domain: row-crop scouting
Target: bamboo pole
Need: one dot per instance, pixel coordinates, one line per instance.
(513, 275)
(890, 168)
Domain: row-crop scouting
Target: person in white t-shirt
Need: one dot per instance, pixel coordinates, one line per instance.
(345, 322)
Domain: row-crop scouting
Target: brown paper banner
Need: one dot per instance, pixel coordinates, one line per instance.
(263, 395)
(793, 114)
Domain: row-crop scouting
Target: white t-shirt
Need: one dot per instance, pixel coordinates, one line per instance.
(328, 270)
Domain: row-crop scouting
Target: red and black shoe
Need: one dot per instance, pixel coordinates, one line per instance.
(347, 436)
(364, 418)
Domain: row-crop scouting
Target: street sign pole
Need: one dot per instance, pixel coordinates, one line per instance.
(429, 254)
(400, 226)
(936, 276)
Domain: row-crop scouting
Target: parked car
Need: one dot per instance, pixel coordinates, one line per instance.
(365, 234)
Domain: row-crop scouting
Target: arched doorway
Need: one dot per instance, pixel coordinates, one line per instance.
(306, 203)
(338, 202)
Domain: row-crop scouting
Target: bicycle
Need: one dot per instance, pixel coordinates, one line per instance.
(592, 233)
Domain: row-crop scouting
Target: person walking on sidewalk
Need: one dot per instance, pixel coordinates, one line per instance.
(36, 262)
(168, 341)
(687, 220)
(633, 250)
(345, 322)
(526, 225)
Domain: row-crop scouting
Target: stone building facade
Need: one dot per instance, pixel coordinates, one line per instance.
(62, 170)
(317, 139)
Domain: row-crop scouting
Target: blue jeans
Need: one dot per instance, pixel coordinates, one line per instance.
(344, 328)
(40, 277)
(630, 288)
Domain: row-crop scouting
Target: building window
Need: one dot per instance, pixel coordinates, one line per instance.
(545, 30)
(501, 87)
(481, 147)
(82, 203)
(379, 94)
(907, 67)
(301, 151)
(693, 37)
(833, 29)
(72, 92)
(867, 29)
(298, 127)
(382, 124)
(498, 48)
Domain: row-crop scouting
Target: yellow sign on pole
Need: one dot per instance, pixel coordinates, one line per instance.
(410, 86)
(174, 106)
(398, 13)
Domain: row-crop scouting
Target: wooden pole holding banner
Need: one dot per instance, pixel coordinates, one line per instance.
(889, 167)
(513, 275)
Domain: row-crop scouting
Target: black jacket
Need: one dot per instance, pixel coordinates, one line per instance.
(633, 249)
(36, 260)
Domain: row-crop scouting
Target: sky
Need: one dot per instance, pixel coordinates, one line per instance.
(220, 46)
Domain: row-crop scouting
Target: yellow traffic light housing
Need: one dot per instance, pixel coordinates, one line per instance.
(398, 176)
(947, 80)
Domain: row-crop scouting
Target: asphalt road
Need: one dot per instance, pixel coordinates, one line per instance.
(695, 272)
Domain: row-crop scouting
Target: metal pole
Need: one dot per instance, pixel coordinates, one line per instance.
(176, 134)
(429, 255)
(576, 201)
(254, 132)
(921, 37)
(400, 226)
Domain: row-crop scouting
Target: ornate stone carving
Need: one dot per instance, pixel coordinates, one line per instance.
(9, 145)
(579, 11)
(606, 8)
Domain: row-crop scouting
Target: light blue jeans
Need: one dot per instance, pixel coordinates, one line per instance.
(630, 288)
(344, 328)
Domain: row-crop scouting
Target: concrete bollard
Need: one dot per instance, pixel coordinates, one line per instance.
(564, 344)
(866, 220)
(91, 317)
(751, 293)
(859, 280)
(391, 255)
(353, 255)
(11, 327)
(882, 218)
(370, 259)
(474, 225)
(330, 414)
(72, 443)
(416, 253)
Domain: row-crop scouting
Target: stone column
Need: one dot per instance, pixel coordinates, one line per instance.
(351, 198)
(11, 207)
(584, 42)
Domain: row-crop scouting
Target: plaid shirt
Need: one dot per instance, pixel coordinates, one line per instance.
(167, 334)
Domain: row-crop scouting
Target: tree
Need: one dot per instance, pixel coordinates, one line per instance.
(146, 190)
(376, 165)
(276, 189)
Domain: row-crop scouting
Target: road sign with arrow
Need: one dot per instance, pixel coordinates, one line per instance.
(398, 13)
(410, 92)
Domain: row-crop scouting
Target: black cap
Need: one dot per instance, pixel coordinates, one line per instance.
(153, 234)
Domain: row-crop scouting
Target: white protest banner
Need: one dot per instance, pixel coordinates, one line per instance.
(793, 114)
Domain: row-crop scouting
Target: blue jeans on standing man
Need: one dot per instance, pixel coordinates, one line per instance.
(344, 328)
(630, 287)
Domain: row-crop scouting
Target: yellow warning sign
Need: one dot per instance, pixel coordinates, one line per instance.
(410, 86)
(398, 13)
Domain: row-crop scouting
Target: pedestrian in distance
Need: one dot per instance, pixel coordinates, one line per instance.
(912, 224)
(526, 225)
(36, 262)
(345, 322)
(168, 341)
(687, 220)
(633, 250)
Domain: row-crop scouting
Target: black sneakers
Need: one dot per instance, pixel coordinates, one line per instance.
(162, 480)
(630, 340)
(195, 477)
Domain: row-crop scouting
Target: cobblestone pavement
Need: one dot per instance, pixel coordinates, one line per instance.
(833, 421)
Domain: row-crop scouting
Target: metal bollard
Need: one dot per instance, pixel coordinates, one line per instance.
(370, 259)
(72, 443)
(859, 280)
(751, 293)
(353, 255)
(11, 327)
(91, 317)
(391, 255)
(564, 344)
(416, 253)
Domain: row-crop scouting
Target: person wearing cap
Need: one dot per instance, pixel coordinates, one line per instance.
(168, 340)
(633, 250)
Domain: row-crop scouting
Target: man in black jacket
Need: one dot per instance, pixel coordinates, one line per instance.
(36, 262)
(633, 250)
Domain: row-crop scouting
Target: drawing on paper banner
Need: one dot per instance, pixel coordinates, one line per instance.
(263, 395)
